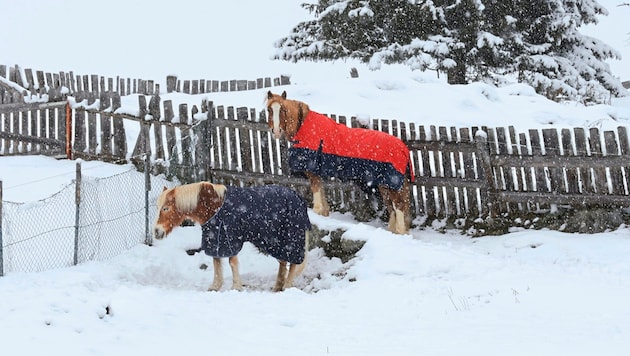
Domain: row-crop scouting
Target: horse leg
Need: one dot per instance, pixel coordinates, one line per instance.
(387, 196)
(397, 203)
(399, 223)
(296, 270)
(402, 205)
(217, 282)
(320, 204)
(405, 206)
(282, 275)
(236, 277)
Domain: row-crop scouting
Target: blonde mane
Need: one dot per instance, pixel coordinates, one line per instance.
(188, 195)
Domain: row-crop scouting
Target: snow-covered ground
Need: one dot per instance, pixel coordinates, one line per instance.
(525, 293)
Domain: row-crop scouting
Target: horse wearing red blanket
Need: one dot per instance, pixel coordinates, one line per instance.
(321, 147)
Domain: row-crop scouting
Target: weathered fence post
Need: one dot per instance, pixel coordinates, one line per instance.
(77, 202)
(1, 243)
(142, 143)
(106, 126)
(186, 172)
(91, 122)
(481, 140)
(147, 188)
(69, 136)
(210, 138)
(171, 142)
(120, 140)
(201, 129)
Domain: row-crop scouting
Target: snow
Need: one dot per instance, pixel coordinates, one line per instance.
(529, 292)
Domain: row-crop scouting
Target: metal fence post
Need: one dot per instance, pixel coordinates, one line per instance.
(148, 238)
(77, 202)
(1, 243)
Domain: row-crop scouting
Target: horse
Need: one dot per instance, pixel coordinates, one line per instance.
(271, 217)
(322, 148)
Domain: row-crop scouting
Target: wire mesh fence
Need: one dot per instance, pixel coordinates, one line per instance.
(99, 220)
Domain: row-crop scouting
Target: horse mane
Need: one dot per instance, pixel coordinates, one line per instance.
(188, 195)
(303, 110)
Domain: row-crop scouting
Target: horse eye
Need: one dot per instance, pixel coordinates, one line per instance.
(165, 208)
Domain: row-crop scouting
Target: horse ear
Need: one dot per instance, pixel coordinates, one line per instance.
(164, 188)
(284, 94)
(269, 94)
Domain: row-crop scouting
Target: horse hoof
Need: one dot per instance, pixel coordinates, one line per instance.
(322, 212)
(214, 288)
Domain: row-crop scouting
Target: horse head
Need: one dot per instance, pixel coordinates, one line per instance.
(197, 202)
(285, 116)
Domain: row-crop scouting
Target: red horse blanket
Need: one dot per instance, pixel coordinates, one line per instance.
(327, 148)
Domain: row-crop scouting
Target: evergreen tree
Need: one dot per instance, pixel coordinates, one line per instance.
(556, 59)
(536, 41)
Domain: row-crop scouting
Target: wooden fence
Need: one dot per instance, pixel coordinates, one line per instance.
(573, 167)
(202, 86)
(36, 83)
(523, 172)
(31, 129)
(460, 172)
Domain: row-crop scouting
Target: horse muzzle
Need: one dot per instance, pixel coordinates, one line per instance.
(158, 234)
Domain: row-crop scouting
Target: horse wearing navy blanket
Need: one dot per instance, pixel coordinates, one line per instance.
(322, 147)
(272, 218)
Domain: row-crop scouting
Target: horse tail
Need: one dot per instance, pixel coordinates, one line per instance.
(409, 172)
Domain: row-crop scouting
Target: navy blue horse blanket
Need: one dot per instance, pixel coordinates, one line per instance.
(273, 218)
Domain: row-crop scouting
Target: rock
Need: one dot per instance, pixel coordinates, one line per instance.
(333, 244)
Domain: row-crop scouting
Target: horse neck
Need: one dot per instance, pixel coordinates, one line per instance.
(299, 111)
(207, 206)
